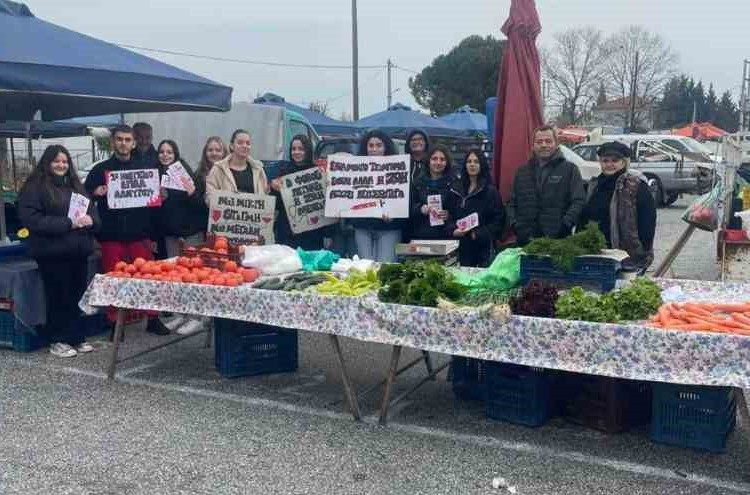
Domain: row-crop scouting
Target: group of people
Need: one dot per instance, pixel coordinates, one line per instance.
(548, 199)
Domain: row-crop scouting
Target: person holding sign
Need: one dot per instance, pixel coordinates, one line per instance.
(238, 172)
(307, 193)
(431, 199)
(478, 217)
(183, 214)
(61, 221)
(125, 193)
(376, 238)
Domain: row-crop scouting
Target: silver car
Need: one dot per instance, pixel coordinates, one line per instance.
(670, 171)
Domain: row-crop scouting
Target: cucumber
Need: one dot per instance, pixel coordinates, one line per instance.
(273, 284)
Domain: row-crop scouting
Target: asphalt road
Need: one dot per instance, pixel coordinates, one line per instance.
(172, 424)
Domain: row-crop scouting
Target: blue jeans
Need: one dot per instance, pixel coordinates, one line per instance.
(378, 245)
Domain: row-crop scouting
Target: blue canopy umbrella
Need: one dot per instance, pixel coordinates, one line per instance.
(466, 118)
(398, 119)
(323, 124)
(47, 68)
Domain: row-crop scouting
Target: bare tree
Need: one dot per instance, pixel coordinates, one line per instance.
(573, 66)
(640, 63)
(320, 107)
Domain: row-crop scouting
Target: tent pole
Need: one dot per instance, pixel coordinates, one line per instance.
(3, 227)
(13, 164)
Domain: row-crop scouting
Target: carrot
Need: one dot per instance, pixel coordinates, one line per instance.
(697, 308)
(693, 326)
(740, 318)
(662, 314)
(732, 308)
(714, 325)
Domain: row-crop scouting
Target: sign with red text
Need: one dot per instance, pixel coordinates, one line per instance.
(242, 218)
(304, 196)
(133, 188)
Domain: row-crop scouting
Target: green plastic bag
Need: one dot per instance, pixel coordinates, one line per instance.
(317, 261)
(503, 274)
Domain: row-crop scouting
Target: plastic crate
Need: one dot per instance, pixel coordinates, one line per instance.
(589, 272)
(518, 394)
(247, 349)
(693, 416)
(606, 404)
(469, 378)
(16, 335)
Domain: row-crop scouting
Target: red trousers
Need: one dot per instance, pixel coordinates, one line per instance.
(114, 251)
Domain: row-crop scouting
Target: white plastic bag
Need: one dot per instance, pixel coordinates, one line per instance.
(273, 259)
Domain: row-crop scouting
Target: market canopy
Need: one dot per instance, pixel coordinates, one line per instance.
(702, 132)
(323, 124)
(62, 73)
(39, 129)
(398, 119)
(466, 118)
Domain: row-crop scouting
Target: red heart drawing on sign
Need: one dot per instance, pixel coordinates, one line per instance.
(267, 219)
(314, 220)
(216, 215)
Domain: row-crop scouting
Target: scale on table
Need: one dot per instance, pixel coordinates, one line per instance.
(444, 252)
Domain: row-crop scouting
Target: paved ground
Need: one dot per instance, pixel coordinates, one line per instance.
(171, 424)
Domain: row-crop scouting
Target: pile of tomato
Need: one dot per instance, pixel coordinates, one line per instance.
(186, 270)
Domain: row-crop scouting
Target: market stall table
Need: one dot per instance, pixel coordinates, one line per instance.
(628, 351)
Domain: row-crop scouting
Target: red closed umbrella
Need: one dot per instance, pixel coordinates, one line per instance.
(519, 108)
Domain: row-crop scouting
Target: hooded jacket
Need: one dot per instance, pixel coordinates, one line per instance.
(423, 187)
(546, 200)
(51, 232)
(123, 225)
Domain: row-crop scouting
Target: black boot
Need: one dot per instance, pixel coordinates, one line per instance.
(156, 327)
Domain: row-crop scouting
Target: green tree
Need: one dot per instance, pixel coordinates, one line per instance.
(467, 75)
(727, 113)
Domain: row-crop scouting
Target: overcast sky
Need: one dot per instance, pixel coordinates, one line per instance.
(711, 39)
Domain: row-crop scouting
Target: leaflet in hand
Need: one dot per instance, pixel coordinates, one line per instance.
(179, 178)
(467, 223)
(435, 205)
(79, 206)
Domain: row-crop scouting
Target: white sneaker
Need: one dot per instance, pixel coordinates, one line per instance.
(62, 350)
(84, 347)
(175, 322)
(191, 327)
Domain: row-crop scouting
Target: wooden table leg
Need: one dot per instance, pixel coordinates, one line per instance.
(351, 397)
(428, 364)
(116, 343)
(395, 355)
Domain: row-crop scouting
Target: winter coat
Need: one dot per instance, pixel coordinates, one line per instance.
(51, 232)
(122, 225)
(181, 214)
(547, 200)
(423, 187)
(486, 202)
(220, 178)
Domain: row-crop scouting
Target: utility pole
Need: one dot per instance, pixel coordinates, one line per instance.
(744, 97)
(390, 86)
(634, 93)
(355, 64)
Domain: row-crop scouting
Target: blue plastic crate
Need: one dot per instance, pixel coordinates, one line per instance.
(693, 416)
(16, 335)
(469, 380)
(518, 394)
(247, 349)
(588, 272)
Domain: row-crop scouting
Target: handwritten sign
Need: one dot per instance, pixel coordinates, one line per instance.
(78, 207)
(168, 183)
(435, 204)
(133, 188)
(179, 177)
(367, 186)
(467, 223)
(242, 218)
(304, 196)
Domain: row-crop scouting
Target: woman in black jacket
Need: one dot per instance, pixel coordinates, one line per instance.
(474, 193)
(431, 198)
(61, 243)
(301, 158)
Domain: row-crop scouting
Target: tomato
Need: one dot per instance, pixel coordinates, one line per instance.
(197, 262)
(250, 275)
(120, 266)
(189, 278)
(126, 275)
(131, 269)
(221, 250)
(232, 282)
(139, 262)
(230, 266)
(148, 276)
(183, 261)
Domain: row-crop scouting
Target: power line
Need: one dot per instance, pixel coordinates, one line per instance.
(364, 84)
(405, 69)
(245, 61)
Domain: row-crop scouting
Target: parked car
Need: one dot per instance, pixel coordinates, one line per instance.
(670, 171)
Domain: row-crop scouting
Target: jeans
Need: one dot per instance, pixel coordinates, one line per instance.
(378, 245)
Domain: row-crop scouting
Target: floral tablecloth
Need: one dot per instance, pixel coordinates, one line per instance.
(625, 351)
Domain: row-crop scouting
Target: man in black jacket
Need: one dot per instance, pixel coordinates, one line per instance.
(144, 145)
(125, 233)
(548, 194)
